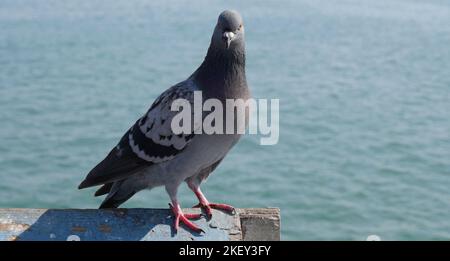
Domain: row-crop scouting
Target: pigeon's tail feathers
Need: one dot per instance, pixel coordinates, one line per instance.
(120, 163)
(114, 199)
(112, 168)
(111, 203)
(105, 189)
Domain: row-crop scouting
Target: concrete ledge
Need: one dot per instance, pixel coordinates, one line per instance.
(133, 225)
(260, 224)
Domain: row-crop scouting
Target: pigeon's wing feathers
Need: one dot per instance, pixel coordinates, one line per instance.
(149, 141)
(118, 164)
(152, 137)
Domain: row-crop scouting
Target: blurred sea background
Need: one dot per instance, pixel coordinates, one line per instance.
(364, 89)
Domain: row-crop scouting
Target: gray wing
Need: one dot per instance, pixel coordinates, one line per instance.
(149, 141)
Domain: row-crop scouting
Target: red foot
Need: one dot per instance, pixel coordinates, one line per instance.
(206, 206)
(184, 218)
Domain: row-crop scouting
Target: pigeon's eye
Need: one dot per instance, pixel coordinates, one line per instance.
(240, 27)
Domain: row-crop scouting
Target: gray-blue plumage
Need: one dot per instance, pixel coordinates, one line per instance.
(149, 154)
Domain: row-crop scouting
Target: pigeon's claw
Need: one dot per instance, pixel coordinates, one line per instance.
(184, 218)
(224, 207)
(207, 207)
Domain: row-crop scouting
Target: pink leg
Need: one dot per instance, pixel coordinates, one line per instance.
(205, 205)
(184, 218)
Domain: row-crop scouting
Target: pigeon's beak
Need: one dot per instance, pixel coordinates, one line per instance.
(227, 37)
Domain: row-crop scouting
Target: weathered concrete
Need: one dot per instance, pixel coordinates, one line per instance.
(133, 224)
(260, 224)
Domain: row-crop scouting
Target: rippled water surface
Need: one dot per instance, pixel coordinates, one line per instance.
(364, 90)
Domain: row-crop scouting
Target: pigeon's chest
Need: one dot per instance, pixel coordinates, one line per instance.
(234, 111)
(203, 151)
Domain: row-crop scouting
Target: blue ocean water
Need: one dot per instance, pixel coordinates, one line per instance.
(364, 89)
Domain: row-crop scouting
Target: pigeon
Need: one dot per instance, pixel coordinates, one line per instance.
(150, 154)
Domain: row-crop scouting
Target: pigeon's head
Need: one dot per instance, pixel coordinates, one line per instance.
(229, 32)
